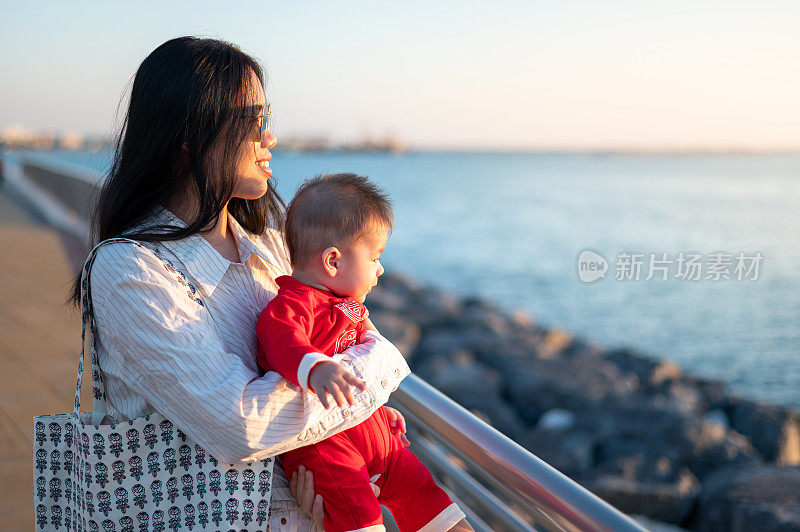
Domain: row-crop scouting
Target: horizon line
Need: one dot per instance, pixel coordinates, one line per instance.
(499, 150)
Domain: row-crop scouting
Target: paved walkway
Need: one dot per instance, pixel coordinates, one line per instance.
(39, 342)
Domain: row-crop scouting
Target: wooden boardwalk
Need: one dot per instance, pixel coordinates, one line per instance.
(39, 343)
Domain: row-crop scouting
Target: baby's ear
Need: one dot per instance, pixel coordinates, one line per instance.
(330, 260)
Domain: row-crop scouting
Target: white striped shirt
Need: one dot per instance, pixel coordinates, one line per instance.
(160, 350)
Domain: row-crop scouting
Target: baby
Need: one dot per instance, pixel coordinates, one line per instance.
(336, 228)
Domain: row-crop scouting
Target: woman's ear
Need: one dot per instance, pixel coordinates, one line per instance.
(330, 260)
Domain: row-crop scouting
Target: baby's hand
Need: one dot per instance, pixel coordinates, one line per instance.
(328, 377)
(397, 424)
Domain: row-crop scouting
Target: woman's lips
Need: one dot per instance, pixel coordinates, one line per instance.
(264, 166)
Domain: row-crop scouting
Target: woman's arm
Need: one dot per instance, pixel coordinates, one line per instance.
(166, 347)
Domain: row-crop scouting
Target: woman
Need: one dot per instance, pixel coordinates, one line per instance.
(191, 175)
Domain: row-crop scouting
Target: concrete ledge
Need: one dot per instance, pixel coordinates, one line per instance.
(47, 195)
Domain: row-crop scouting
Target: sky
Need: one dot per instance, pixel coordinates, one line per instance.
(498, 75)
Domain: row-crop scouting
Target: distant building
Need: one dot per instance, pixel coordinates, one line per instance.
(303, 144)
(71, 140)
(21, 136)
(390, 143)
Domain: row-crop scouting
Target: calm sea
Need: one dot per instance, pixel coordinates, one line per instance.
(510, 227)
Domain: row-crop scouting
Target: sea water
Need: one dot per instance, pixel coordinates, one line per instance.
(511, 227)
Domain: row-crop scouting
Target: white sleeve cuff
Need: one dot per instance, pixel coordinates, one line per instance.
(446, 519)
(378, 363)
(308, 361)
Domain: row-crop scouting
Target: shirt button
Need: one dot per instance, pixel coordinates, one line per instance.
(384, 383)
(397, 372)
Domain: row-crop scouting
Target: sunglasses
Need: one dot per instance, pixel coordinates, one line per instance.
(264, 121)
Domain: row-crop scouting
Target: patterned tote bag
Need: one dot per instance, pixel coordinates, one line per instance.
(141, 475)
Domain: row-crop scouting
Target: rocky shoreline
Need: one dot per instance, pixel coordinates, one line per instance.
(634, 430)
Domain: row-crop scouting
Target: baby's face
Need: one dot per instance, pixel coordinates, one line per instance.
(360, 266)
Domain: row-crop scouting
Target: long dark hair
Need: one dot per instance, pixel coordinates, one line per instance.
(178, 138)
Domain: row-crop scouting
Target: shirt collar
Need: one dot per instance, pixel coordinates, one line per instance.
(203, 263)
(250, 244)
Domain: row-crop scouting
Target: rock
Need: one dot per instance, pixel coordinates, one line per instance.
(480, 314)
(440, 342)
(393, 293)
(474, 386)
(641, 466)
(650, 372)
(403, 333)
(622, 455)
(398, 283)
(381, 299)
(431, 308)
(714, 392)
(500, 416)
(460, 376)
(665, 371)
(774, 431)
(505, 353)
(629, 360)
(570, 452)
(484, 341)
(556, 420)
(667, 502)
(574, 383)
(630, 425)
(704, 446)
(766, 499)
(521, 319)
(717, 416)
(680, 396)
(425, 306)
(533, 394)
(554, 343)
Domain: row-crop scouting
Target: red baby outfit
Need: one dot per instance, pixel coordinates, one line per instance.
(301, 320)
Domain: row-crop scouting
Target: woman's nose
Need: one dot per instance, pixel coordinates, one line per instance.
(380, 269)
(268, 140)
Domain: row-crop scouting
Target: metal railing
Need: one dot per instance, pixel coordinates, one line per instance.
(74, 187)
(498, 484)
(504, 486)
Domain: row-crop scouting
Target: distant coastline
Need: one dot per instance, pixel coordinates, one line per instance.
(23, 138)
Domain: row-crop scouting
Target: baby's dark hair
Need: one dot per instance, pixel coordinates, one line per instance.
(334, 210)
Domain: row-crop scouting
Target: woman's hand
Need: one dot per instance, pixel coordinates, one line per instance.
(302, 486)
(397, 424)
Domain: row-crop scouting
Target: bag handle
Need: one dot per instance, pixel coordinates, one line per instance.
(87, 318)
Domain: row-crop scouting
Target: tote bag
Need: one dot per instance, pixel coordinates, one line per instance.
(142, 475)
